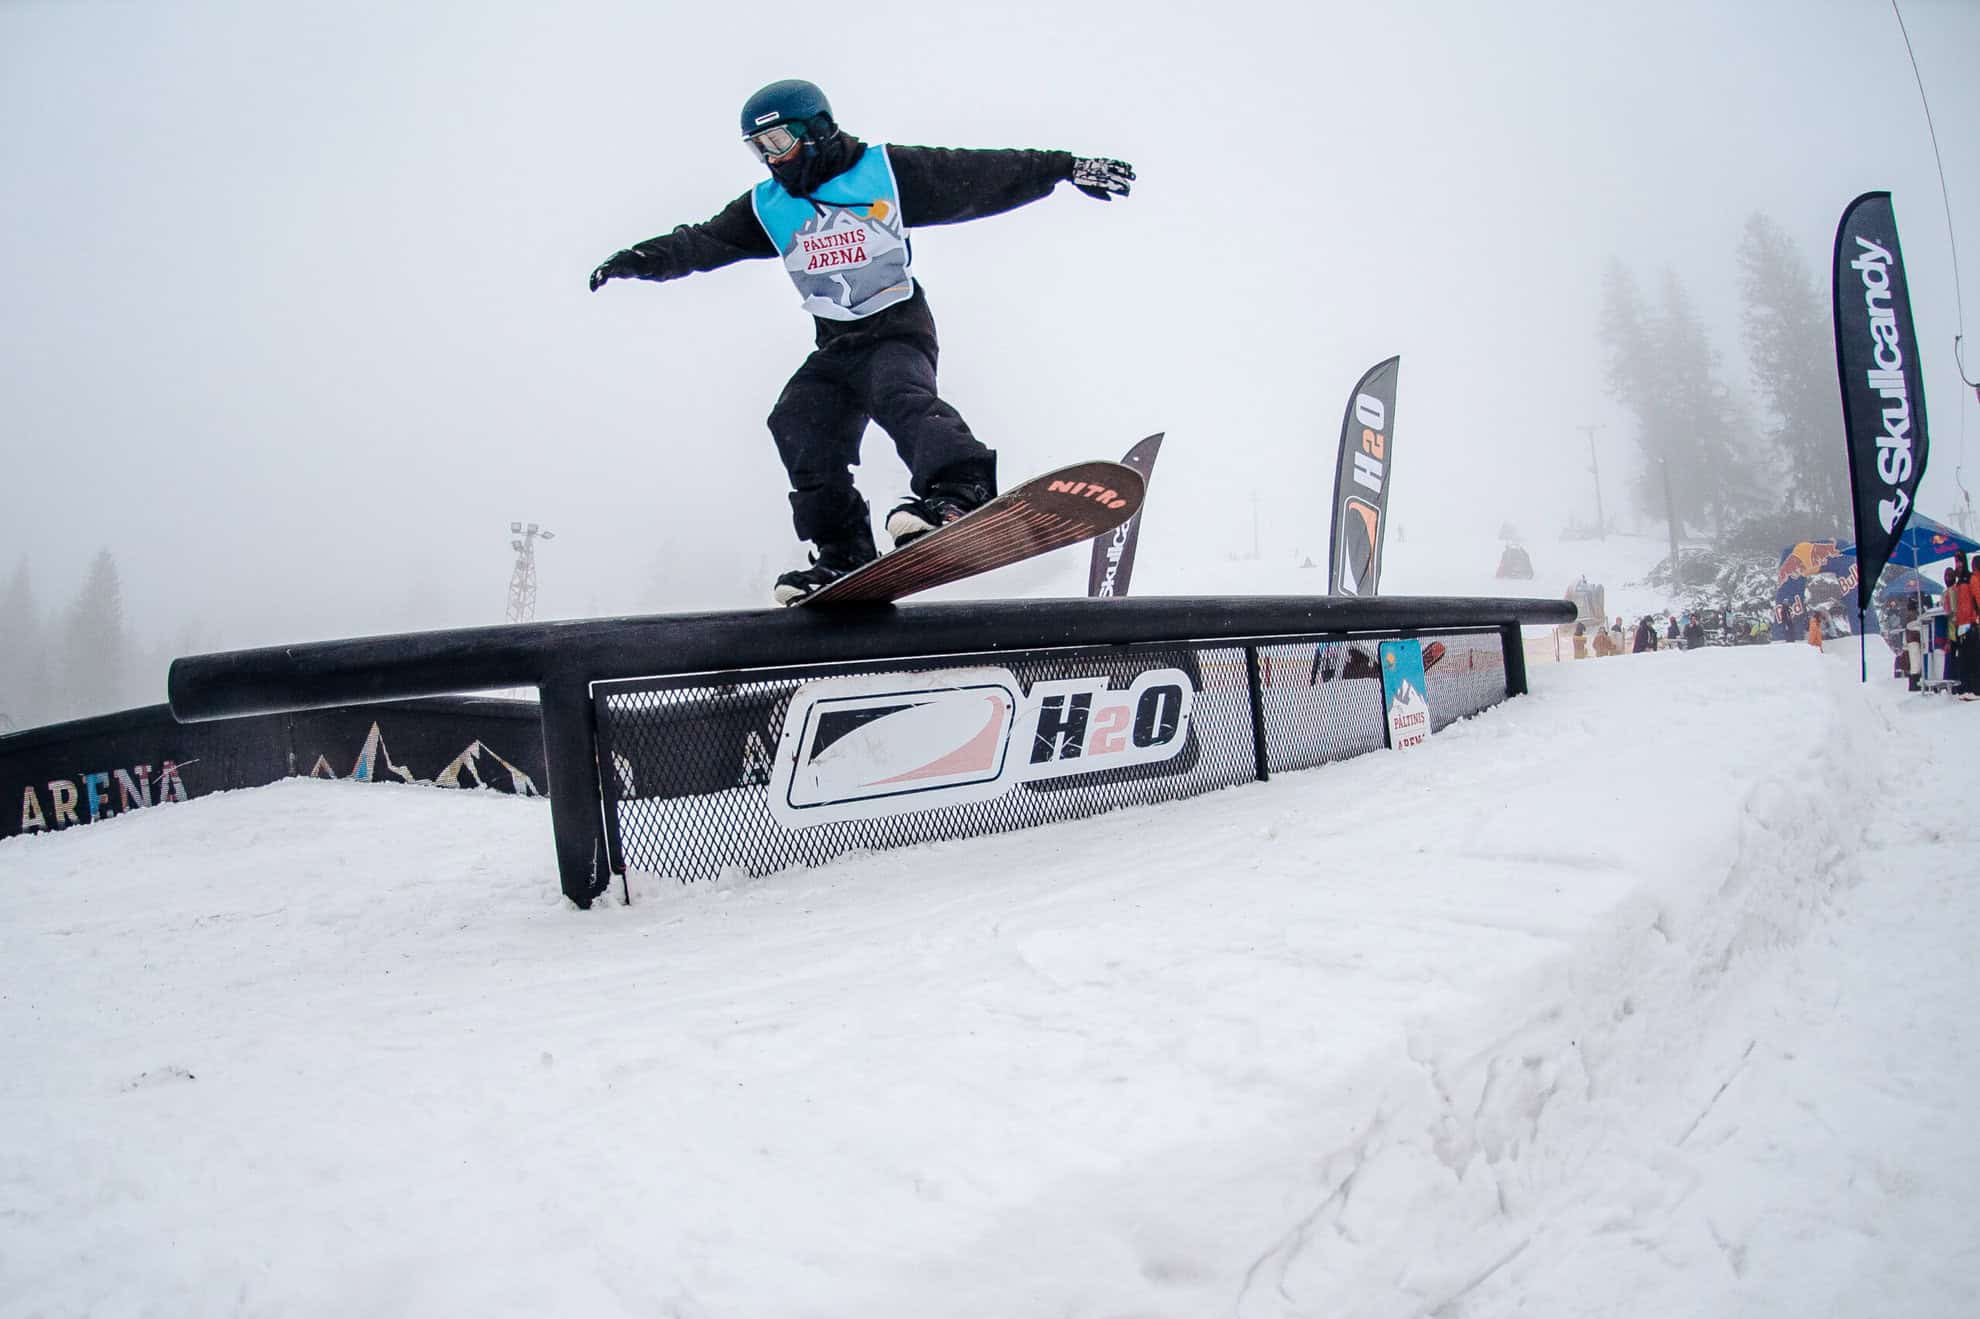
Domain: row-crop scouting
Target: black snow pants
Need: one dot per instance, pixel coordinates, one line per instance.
(822, 414)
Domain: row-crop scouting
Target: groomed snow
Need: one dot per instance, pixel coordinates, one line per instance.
(1650, 994)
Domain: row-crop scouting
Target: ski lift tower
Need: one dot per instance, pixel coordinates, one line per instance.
(522, 582)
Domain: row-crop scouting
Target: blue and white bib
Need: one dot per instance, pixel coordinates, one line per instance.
(844, 246)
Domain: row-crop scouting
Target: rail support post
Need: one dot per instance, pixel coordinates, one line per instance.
(570, 754)
(1513, 643)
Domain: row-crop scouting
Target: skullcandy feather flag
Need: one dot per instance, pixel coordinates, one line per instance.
(1113, 556)
(1883, 392)
(1361, 483)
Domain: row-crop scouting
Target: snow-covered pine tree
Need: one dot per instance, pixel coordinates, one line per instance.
(1791, 350)
(95, 674)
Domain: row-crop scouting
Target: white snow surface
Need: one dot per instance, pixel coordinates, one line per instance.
(1648, 994)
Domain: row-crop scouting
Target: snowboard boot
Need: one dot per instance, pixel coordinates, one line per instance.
(946, 501)
(833, 560)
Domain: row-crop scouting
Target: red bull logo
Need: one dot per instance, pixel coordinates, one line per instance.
(1809, 557)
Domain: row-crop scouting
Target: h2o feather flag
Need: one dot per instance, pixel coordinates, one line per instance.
(1883, 392)
(1361, 483)
(1113, 555)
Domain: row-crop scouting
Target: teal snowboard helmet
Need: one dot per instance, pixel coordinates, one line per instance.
(778, 117)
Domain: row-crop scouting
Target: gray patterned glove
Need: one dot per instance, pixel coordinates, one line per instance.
(1101, 178)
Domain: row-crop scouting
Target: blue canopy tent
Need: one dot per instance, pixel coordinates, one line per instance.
(1908, 581)
(1901, 586)
(1926, 540)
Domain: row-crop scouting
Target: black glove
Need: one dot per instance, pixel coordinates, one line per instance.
(1099, 177)
(628, 264)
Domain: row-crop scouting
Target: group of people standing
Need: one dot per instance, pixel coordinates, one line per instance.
(1680, 632)
(1911, 625)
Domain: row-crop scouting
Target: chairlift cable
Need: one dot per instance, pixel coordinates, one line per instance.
(1945, 197)
(1952, 243)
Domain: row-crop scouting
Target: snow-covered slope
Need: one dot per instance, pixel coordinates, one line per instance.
(1444, 561)
(1616, 1000)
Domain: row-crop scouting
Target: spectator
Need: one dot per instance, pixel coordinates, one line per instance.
(1913, 646)
(1694, 633)
(1970, 652)
(1580, 641)
(1646, 636)
(1815, 628)
(1605, 643)
(1959, 605)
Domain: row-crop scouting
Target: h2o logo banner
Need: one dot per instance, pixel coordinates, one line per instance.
(1361, 482)
(869, 746)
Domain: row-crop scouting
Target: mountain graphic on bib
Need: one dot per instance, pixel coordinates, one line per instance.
(841, 255)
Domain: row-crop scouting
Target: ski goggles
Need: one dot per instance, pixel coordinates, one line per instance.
(775, 141)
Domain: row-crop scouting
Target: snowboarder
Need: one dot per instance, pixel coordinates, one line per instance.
(838, 212)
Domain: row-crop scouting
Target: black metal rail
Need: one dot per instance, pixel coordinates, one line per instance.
(325, 673)
(562, 660)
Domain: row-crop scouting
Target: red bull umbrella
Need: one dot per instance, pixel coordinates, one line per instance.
(1926, 540)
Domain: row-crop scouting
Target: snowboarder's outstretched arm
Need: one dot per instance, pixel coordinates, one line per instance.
(938, 185)
(945, 185)
(732, 235)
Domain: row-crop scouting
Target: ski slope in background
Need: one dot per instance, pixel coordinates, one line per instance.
(1612, 1001)
(1440, 562)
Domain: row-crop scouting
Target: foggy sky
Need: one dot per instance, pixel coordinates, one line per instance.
(296, 320)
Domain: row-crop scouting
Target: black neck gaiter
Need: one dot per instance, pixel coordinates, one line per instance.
(817, 162)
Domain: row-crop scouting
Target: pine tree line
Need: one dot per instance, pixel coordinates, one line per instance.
(69, 663)
(1753, 475)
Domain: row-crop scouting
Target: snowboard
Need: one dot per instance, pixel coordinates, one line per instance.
(1046, 513)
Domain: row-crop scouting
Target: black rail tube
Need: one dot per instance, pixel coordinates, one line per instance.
(329, 673)
(562, 660)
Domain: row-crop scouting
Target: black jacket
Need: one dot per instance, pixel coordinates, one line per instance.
(938, 185)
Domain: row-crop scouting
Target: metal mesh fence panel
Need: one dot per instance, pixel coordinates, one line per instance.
(1322, 699)
(1469, 676)
(1322, 702)
(686, 763)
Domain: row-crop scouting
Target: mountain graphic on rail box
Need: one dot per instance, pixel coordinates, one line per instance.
(375, 753)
